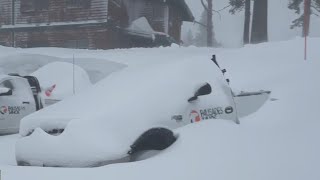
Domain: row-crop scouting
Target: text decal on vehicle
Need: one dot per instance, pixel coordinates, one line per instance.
(210, 113)
(3, 110)
(11, 109)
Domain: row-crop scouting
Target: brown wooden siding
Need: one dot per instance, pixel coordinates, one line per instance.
(5, 12)
(85, 37)
(154, 12)
(6, 39)
(99, 36)
(59, 12)
(117, 13)
(175, 23)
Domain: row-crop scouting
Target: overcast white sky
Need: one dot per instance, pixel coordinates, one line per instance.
(229, 28)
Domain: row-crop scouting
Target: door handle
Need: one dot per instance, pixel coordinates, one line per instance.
(25, 102)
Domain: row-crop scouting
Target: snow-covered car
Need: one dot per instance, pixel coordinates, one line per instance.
(23, 95)
(128, 112)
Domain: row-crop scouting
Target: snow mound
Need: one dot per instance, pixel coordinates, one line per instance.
(26, 63)
(65, 79)
(279, 142)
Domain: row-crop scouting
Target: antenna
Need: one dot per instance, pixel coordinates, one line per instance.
(73, 74)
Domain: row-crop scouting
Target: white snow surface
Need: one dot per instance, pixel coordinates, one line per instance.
(66, 78)
(280, 141)
(138, 97)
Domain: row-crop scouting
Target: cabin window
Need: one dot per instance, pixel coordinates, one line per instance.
(117, 2)
(3, 43)
(34, 5)
(159, 12)
(78, 3)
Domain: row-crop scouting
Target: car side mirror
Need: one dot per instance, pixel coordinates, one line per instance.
(5, 91)
(202, 91)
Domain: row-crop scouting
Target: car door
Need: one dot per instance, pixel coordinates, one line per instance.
(14, 106)
(219, 104)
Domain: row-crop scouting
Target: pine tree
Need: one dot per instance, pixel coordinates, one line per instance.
(259, 31)
(312, 7)
(200, 39)
(317, 6)
(239, 5)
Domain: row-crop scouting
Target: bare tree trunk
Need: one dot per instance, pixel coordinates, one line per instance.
(209, 25)
(246, 32)
(306, 21)
(259, 31)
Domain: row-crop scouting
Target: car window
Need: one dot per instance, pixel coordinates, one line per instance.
(7, 84)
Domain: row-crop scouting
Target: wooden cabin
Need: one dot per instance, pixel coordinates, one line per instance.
(91, 24)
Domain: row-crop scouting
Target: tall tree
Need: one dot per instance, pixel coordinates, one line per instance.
(200, 39)
(238, 5)
(259, 32)
(310, 7)
(317, 6)
(209, 24)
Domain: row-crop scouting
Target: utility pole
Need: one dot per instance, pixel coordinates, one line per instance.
(209, 24)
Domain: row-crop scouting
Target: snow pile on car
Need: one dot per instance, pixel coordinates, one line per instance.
(59, 80)
(140, 98)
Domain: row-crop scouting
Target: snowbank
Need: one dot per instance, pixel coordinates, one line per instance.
(280, 141)
(27, 61)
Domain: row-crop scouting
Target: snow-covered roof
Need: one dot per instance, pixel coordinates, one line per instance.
(141, 27)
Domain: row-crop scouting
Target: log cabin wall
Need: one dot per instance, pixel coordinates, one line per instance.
(175, 23)
(117, 13)
(155, 11)
(83, 38)
(5, 12)
(49, 11)
(110, 17)
(6, 39)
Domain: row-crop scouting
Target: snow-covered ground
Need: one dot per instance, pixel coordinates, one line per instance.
(280, 141)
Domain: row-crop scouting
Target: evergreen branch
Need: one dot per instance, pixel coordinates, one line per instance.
(316, 8)
(224, 8)
(216, 11)
(237, 6)
(295, 5)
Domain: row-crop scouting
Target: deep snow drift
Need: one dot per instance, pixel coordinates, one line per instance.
(280, 141)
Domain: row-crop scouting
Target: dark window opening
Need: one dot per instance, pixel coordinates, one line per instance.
(34, 5)
(78, 3)
(7, 84)
(35, 44)
(77, 44)
(3, 43)
(158, 13)
(117, 2)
